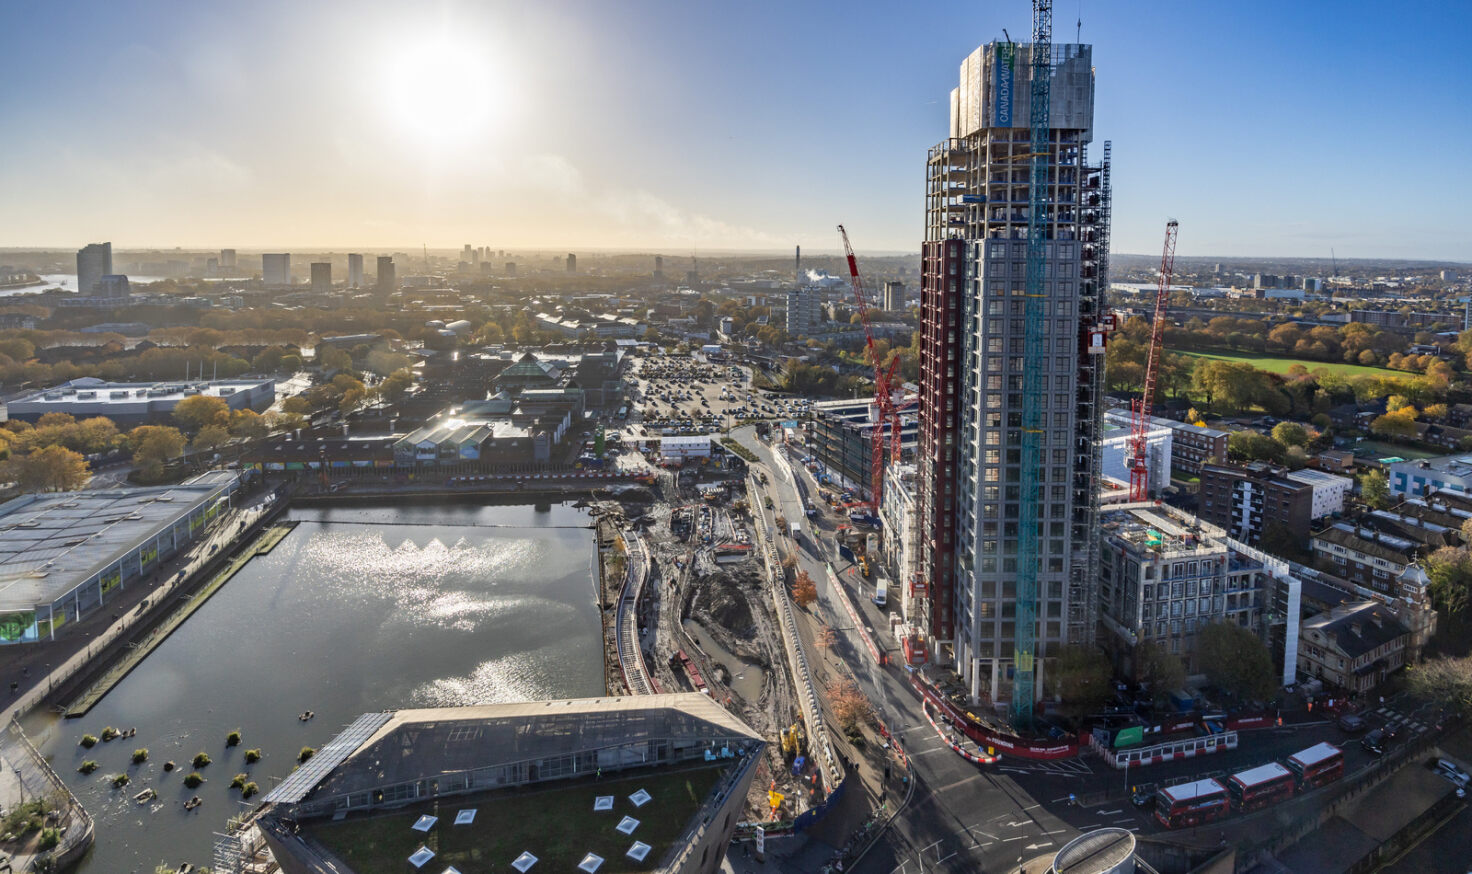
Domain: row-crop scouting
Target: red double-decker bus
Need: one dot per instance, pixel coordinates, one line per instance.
(1319, 764)
(1188, 804)
(1258, 787)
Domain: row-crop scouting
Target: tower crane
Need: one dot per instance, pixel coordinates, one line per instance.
(1140, 413)
(884, 386)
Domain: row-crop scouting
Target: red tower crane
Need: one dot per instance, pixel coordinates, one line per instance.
(888, 415)
(1140, 418)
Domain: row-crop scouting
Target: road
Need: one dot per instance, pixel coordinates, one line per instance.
(961, 818)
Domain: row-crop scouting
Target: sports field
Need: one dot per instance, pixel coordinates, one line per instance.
(1281, 365)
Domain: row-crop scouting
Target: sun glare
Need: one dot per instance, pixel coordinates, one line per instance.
(442, 93)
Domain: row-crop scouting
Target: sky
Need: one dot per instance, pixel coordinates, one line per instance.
(1266, 128)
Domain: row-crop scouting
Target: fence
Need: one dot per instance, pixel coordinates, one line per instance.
(1164, 752)
(37, 780)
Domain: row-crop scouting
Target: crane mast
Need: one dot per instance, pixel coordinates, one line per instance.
(1034, 389)
(1140, 420)
(887, 413)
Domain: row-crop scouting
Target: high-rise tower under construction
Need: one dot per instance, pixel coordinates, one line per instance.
(975, 485)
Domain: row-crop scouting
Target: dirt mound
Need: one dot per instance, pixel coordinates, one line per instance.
(718, 600)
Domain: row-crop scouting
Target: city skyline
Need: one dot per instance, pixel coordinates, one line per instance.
(678, 128)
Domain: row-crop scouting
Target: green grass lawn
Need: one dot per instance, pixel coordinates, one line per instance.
(1377, 449)
(1281, 365)
(555, 824)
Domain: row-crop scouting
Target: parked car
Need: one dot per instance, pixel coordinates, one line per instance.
(1450, 771)
(1353, 723)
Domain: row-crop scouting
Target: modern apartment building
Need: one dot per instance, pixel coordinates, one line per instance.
(355, 270)
(94, 261)
(1251, 499)
(387, 282)
(1191, 445)
(980, 378)
(276, 269)
(804, 309)
(1165, 575)
(321, 277)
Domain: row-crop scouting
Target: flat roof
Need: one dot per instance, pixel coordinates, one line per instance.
(130, 392)
(51, 543)
(1320, 752)
(1195, 789)
(1261, 774)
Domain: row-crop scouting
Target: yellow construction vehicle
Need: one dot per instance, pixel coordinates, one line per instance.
(794, 741)
(864, 565)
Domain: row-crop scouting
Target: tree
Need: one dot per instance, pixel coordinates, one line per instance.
(1081, 679)
(1446, 680)
(1375, 489)
(825, 640)
(394, 387)
(153, 447)
(1252, 446)
(804, 590)
(332, 358)
(48, 469)
(197, 411)
(210, 438)
(1236, 661)
(850, 706)
(1291, 434)
(1162, 670)
(1400, 424)
(55, 420)
(296, 404)
(1450, 571)
(247, 424)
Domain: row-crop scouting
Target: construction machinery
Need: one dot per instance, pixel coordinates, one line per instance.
(1140, 409)
(794, 741)
(1035, 347)
(887, 418)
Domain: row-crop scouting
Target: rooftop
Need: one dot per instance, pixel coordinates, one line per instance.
(96, 390)
(1358, 628)
(1160, 529)
(556, 824)
(51, 543)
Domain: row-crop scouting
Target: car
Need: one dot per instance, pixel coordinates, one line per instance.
(1353, 723)
(1378, 741)
(1449, 770)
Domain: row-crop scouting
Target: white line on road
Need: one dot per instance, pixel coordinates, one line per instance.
(1018, 838)
(1108, 812)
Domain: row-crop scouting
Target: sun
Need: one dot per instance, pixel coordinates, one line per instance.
(442, 92)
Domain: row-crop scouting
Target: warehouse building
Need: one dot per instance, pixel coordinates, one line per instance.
(138, 403)
(62, 554)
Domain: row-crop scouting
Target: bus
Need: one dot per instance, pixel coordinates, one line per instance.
(1191, 804)
(1319, 764)
(1258, 787)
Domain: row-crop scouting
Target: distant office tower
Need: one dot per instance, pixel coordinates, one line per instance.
(797, 266)
(355, 270)
(572, 263)
(94, 261)
(510, 268)
(1216, 268)
(211, 266)
(388, 283)
(658, 266)
(227, 259)
(276, 269)
(803, 310)
(894, 296)
(113, 287)
(1009, 397)
(321, 277)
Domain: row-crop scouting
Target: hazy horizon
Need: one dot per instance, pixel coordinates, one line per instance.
(663, 127)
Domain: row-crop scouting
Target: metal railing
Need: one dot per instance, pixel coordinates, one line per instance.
(38, 780)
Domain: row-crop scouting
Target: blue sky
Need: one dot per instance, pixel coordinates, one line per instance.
(1266, 128)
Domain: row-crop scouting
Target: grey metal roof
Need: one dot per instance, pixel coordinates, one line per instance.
(51, 543)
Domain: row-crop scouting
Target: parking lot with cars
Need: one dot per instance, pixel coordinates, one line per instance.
(679, 394)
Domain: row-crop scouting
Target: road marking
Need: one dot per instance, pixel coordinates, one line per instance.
(1108, 812)
(1018, 838)
(1056, 831)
